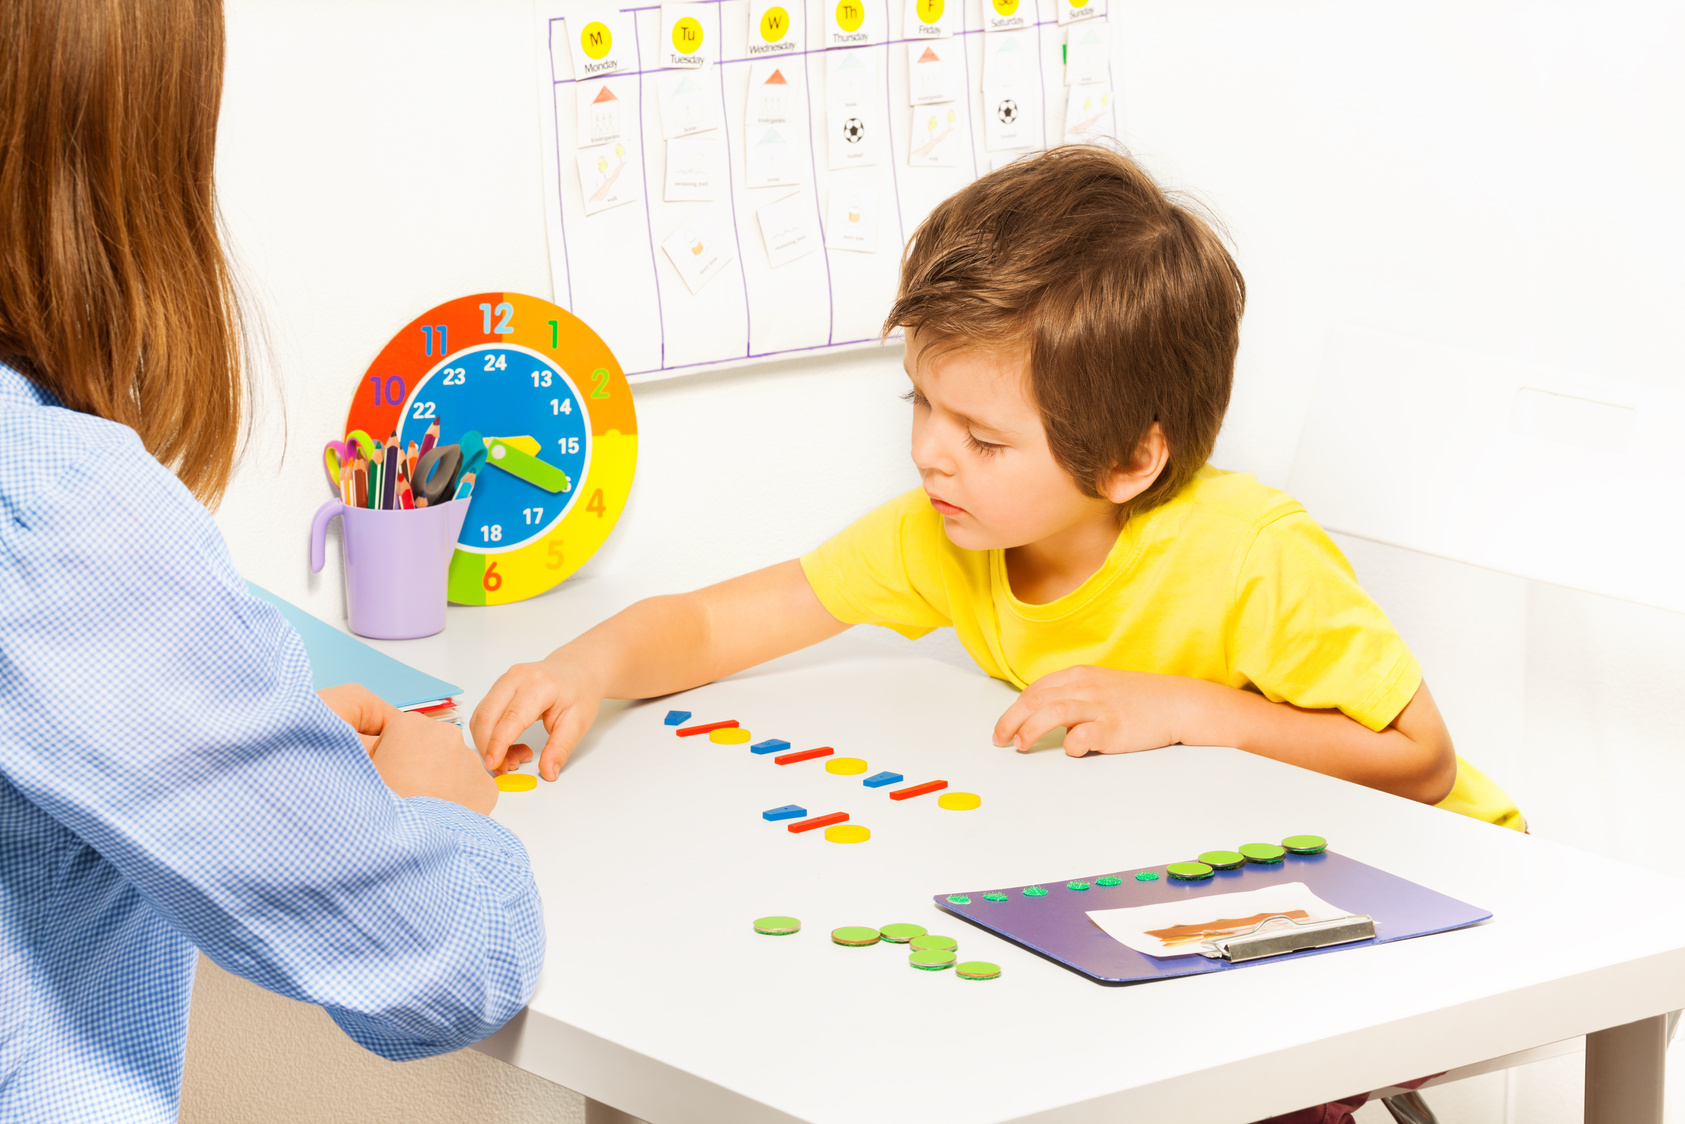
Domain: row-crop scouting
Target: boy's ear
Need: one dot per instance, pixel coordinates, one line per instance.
(1130, 480)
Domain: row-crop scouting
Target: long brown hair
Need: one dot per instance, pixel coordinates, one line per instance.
(114, 292)
(1125, 301)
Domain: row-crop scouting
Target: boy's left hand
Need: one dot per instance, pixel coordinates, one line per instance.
(1102, 710)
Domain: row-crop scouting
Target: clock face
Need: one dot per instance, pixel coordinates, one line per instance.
(501, 390)
(524, 372)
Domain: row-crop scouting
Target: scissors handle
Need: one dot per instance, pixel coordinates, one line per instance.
(436, 473)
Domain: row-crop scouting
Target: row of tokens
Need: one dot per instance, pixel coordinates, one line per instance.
(1261, 854)
(929, 953)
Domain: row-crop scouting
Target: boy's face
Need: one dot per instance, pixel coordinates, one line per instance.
(982, 452)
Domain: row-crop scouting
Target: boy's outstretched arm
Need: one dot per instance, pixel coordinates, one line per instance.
(1109, 711)
(655, 647)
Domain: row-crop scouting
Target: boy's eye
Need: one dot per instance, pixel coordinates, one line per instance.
(914, 397)
(983, 448)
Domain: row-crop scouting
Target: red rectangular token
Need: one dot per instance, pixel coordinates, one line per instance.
(819, 821)
(689, 730)
(803, 755)
(918, 790)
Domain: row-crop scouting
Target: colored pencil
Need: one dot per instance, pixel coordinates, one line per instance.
(389, 480)
(360, 483)
(430, 438)
(345, 483)
(377, 461)
(415, 455)
(406, 501)
(465, 487)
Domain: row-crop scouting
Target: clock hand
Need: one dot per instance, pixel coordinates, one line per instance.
(500, 453)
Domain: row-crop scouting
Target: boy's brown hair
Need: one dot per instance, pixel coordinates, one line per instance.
(1125, 303)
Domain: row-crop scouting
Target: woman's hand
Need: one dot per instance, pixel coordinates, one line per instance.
(418, 756)
(366, 712)
(561, 692)
(1102, 710)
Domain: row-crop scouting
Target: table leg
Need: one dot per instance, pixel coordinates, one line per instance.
(1625, 1067)
(596, 1112)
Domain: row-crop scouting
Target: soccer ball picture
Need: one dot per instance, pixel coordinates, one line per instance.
(1007, 111)
(854, 130)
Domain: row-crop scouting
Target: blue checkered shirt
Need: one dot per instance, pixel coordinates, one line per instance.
(169, 783)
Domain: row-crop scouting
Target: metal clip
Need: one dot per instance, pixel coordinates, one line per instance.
(1276, 935)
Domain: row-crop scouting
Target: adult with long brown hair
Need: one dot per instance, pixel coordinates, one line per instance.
(168, 780)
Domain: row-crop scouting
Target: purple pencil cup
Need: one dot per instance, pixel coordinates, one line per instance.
(397, 565)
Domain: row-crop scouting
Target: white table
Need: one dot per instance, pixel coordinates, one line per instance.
(660, 1000)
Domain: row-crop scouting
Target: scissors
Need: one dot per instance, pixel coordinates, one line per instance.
(335, 456)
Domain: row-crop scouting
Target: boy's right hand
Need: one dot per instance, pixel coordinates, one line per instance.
(565, 696)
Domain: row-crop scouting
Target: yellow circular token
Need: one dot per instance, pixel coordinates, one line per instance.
(731, 735)
(1006, 7)
(930, 10)
(517, 782)
(959, 801)
(852, 13)
(775, 24)
(847, 766)
(848, 833)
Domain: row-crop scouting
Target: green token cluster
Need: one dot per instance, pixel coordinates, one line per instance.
(994, 896)
(1259, 854)
(1076, 885)
(1146, 876)
(959, 899)
(1189, 872)
(1263, 853)
(925, 942)
(1035, 891)
(1109, 880)
(777, 926)
(901, 934)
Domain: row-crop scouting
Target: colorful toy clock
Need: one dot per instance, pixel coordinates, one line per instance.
(524, 372)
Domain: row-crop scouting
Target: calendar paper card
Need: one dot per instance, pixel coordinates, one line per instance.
(1071, 11)
(935, 137)
(600, 43)
(775, 27)
(853, 139)
(1180, 928)
(1008, 15)
(687, 35)
(608, 177)
(700, 249)
(852, 220)
(1088, 54)
(790, 228)
(852, 23)
(930, 19)
(851, 80)
(930, 72)
(774, 160)
(600, 111)
(1088, 114)
(688, 102)
(1009, 60)
(1009, 118)
(695, 170)
(775, 94)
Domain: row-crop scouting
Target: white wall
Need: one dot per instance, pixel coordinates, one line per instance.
(1501, 176)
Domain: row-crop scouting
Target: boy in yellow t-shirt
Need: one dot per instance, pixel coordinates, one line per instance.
(1071, 335)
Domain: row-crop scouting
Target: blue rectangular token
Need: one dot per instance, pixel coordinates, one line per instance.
(787, 812)
(677, 717)
(878, 780)
(771, 745)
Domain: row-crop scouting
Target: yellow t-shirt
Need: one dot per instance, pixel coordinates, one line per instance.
(1229, 581)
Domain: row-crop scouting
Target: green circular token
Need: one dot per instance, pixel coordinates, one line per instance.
(1076, 885)
(959, 899)
(932, 960)
(1223, 860)
(1188, 872)
(1264, 853)
(994, 896)
(1035, 892)
(1146, 876)
(777, 926)
(1305, 844)
(977, 970)
(901, 934)
(926, 942)
(1109, 880)
(855, 936)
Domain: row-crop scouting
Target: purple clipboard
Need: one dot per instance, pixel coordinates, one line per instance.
(1056, 925)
